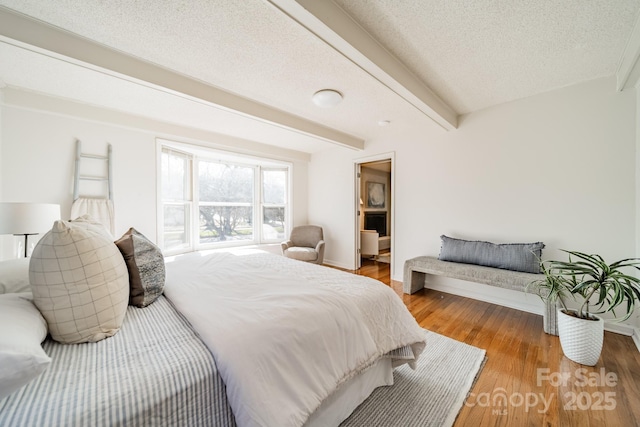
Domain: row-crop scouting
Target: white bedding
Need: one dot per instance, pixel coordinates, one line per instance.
(285, 334)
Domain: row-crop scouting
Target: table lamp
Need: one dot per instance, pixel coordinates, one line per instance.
(26, 219)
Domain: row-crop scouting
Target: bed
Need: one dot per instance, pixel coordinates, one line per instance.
(239, 338)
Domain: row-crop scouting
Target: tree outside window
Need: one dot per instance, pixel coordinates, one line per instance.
(226, 202)
(211, 198)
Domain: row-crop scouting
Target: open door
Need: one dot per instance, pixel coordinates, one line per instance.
(374, 201)
(358, 202)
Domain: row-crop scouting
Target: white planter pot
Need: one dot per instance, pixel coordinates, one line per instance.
(581, 339)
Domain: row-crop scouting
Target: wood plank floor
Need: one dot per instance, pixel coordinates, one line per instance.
(526, 380)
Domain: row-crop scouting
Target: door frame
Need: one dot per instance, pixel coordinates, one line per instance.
(357, 164)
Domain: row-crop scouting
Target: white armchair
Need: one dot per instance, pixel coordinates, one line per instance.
(306, 243)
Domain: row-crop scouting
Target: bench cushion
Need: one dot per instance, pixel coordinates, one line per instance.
(508, 256)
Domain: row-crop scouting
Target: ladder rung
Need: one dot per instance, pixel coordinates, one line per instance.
(94, 156)
(77, 178)
(93, 178)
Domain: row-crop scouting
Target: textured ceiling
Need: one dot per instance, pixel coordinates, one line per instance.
(476, 54)
(472, 54)
(44, 74)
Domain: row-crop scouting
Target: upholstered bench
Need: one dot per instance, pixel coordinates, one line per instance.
(416, 269)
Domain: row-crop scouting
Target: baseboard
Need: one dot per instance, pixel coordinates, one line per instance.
(529, 303)
(619, 328)
(636, 337)
(337, 264)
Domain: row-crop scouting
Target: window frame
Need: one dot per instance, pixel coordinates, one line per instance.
(264, 204)
(199, 153)
(188, 201)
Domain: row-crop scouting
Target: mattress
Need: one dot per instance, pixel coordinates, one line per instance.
(155, 371)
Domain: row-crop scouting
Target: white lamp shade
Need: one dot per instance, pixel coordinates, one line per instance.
(27, 218)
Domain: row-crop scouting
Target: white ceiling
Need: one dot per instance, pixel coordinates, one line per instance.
(417, 63)
(475, 54)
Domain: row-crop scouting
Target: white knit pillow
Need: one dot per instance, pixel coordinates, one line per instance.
(79, 282)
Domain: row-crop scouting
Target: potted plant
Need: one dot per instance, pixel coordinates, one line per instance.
(602, 287)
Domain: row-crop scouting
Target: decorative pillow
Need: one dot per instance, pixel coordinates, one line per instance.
(14, 276)
(79, 283)
(22, 329)
(145, 263)
(523, 257)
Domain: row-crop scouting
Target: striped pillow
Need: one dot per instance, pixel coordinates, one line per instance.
(523, 257)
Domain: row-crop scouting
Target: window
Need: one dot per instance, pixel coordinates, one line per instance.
(274, 204)
(212, 199)
(226, 202)
(176, 200)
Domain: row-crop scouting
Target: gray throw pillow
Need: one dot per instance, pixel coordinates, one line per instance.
(145, 264)
(508, 256)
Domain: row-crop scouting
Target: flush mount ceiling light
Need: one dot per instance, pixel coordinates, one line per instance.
(327, 98)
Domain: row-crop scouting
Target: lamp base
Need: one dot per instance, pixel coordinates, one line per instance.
(26, 240)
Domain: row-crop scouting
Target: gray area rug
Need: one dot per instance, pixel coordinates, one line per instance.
(432, 395)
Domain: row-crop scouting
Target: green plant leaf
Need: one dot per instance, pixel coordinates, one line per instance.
(587, 274)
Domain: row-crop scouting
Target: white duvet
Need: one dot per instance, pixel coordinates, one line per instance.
(285, 334)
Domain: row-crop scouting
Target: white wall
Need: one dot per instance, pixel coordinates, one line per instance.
(332, 203)
(5, 241)
(637, 321)
(38, 151)
(558, 167)
(39, 157)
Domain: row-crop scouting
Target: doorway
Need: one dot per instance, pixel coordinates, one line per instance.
(375, 207)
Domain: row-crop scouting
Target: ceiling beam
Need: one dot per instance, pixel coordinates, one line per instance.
(628, 72)
(25, 99)
(44, 36)
(331, 23)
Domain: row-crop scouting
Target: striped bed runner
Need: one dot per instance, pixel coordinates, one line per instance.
(154, 371)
